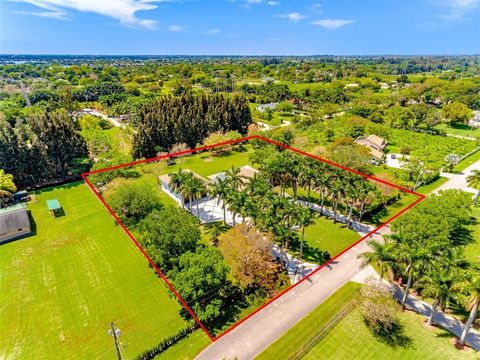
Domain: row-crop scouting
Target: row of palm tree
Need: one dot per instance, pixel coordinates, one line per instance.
(341, 187)
(424, 248)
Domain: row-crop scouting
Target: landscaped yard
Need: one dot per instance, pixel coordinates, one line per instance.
(78, 273)
(472, 250)
(459, 129)
(325, 235)
(351, 338)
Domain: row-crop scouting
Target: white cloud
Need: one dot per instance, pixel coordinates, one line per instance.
(273, 3)
(295, 16)
(58, 15)
(317, 8)
(248, 3)
(121, 10)
(458, 9)
(211, 32)
(176, 28)
(332, 24)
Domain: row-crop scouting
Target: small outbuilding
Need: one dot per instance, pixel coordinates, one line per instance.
(54, 207)
(14, 222)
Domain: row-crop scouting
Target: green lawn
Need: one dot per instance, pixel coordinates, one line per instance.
(472, 250)
(352, 339)
(301, 333)
(325, 235)
(78, 273)
(459, 129)
(462, 165)
(187, 348)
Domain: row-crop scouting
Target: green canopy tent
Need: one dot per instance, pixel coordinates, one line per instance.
(54, 207)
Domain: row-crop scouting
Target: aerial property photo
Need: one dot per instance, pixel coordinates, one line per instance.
(218, 255)
(239, 180)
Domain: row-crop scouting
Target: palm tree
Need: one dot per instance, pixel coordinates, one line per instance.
(7, 186)
(438, 284)
(474, 181)
(221, 189)
(470, 287)
(416, 257)
(382, 256)
(177, 180)
(304, 218)
(236, 203)
(307, 177)
(195, 188)
(234, 179)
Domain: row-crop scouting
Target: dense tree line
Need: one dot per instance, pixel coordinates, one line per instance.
(425, 248)
(45, 149)
(188, 119)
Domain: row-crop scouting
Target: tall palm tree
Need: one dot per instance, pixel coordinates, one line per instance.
(307, 176)
(438, 284)
(382, 255)
(474, 181)
(234, 179)
(195, 188)
(304, 217)
(221, 189)
(470, 287)
(7, 186)
(416, 258)
(177, 180)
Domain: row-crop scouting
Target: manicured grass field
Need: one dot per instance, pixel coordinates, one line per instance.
(472, 250)
(352, 339)
(462, 165)
(300, 334)
(325, 235)
(459, 129)
(78, 273)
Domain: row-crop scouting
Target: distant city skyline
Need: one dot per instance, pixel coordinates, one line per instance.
(240, 27)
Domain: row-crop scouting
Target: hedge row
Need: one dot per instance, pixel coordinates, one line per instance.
(166, 343)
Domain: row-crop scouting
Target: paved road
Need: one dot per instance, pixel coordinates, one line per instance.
(257, 333)
(459, 181)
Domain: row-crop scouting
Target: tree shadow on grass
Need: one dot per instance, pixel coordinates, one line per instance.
(394, 337)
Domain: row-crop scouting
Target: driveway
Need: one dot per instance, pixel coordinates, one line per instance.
(254, 335)
(459, 181)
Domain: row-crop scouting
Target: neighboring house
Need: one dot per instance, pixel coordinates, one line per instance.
(375, 143)
(246, 172)
(475, 120)
(263, 107)
(14, 222)
(165, 183)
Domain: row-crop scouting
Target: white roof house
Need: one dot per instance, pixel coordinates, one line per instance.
(14, 222)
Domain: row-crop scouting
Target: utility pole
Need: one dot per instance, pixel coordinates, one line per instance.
(115, 332)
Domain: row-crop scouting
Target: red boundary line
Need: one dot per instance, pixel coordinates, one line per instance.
(258, 137)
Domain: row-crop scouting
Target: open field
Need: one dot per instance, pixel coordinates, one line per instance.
(78, 273)
(298, 335)
(459, 129)
(351, 338)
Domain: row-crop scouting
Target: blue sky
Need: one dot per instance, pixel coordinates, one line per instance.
(244, 27)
